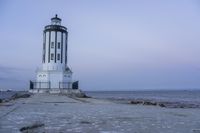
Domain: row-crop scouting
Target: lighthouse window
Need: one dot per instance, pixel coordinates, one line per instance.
(43, 57)
(52, 56)
(58, 45)
(58, 57)
(52, 44)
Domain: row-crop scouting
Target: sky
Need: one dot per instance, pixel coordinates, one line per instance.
(112, 45)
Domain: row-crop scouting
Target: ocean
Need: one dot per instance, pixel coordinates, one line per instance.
(190, 96)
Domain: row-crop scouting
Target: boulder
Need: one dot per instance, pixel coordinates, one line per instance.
(20, 95)
(136, 102)
(74, 93)
(34, 128)
(149, 103)
(161, 105)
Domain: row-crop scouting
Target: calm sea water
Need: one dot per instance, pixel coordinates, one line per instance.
(166, 95)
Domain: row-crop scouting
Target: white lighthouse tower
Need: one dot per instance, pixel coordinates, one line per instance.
(54, 76)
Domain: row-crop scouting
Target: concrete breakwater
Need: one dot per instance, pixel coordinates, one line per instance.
(54, 113)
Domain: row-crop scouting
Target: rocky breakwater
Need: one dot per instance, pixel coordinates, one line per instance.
(156, 102)
(74, 93)
(15, 96)
(166, 104)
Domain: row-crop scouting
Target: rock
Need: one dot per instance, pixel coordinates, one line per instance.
(83, 95)
(20, 95)
(32, 128)
(136, 102)
(80, 95)
(161, 105)
(165, 104)
(182, 106)
(85, 122)
(143, 102)
(1, 100)
(75, 93)
(9, 90)
(149, 103)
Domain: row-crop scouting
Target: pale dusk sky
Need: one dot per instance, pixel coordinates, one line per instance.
(113, 44)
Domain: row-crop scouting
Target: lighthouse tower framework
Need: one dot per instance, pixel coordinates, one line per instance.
(54, 75)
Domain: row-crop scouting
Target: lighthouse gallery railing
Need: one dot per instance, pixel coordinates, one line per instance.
(47, 85)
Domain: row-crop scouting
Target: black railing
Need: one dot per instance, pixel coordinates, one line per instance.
(65, 85)
(47, 85)
(75, 85)
(40, 85)
(58, 27)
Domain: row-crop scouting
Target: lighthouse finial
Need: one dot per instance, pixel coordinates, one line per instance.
(56, 15)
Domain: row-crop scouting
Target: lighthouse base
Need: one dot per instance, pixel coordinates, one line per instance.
(53, 81)
(56, 91)
(67, 92)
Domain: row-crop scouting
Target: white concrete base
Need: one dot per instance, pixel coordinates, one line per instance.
(53, 78)
(56, 91)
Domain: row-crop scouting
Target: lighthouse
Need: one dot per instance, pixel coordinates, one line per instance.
(54, 76)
